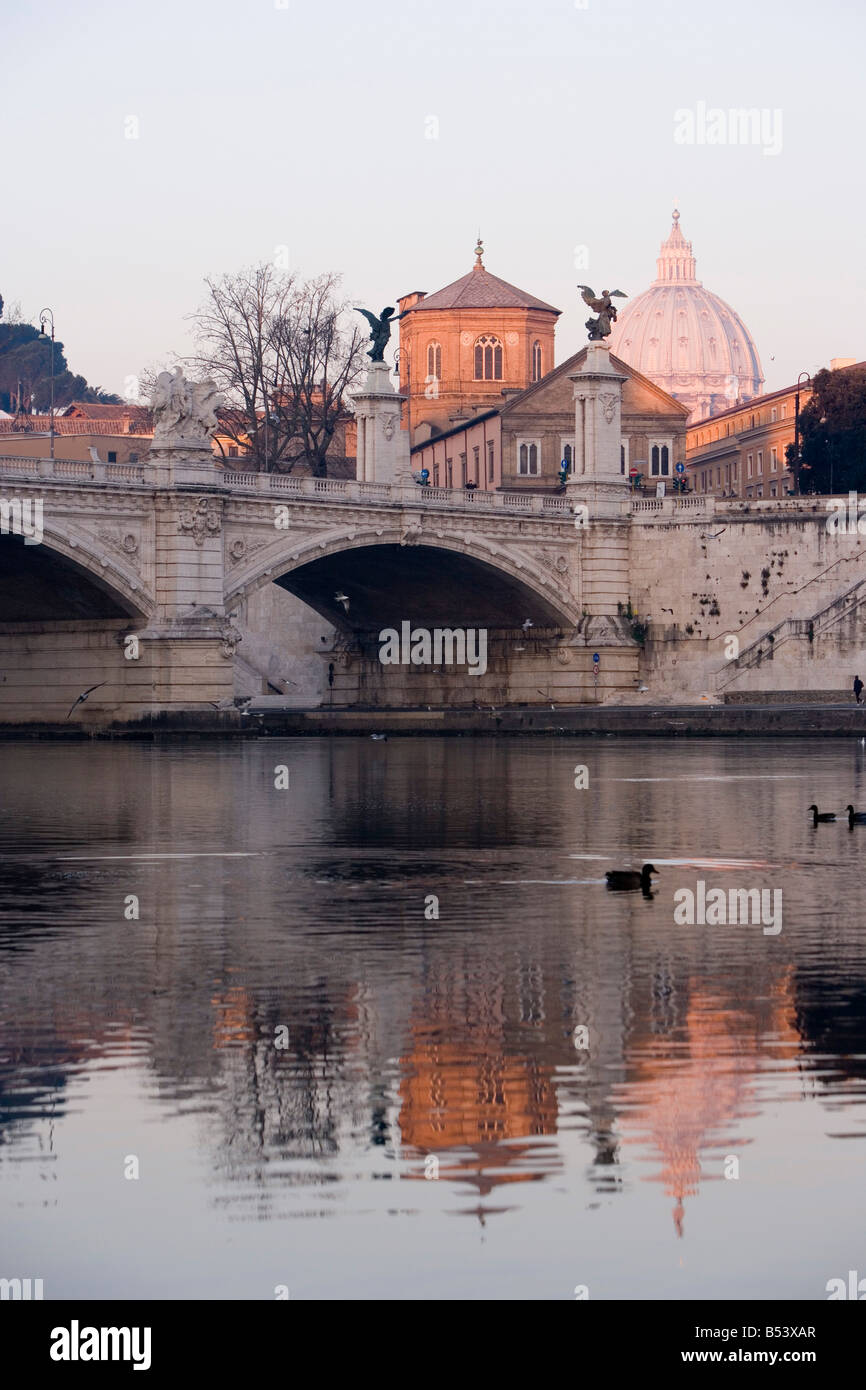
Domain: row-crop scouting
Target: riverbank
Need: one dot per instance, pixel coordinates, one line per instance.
(638, 721)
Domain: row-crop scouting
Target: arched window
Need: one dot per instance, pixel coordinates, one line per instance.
(434, 361)
(660, 461)
(536, 361)
(527, 456)
(488, 359)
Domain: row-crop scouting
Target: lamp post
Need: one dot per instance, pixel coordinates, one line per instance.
(797, 426)
(46, 316)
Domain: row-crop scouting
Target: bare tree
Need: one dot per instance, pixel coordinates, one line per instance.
(280, 351)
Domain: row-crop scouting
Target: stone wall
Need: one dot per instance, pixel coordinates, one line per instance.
(44, 667)
(773, 576)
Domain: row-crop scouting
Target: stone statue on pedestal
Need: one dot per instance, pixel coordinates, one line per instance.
(380, 330)
(184, 409)
(600, 328)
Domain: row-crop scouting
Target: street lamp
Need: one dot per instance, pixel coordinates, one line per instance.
(46, 316)
(797, 426)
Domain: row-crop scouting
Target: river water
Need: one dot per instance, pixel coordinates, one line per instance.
(383, 1032)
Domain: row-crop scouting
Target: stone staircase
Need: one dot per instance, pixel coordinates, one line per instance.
(766, 647)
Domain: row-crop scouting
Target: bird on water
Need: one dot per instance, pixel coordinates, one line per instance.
(821, 815)
(855, 817)
(621, 879)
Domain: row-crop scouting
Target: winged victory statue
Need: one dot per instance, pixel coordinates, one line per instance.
(600, 304)
(380, 330)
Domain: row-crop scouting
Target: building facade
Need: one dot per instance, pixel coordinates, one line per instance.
(523, 444)
(464, 346)
(741, 452)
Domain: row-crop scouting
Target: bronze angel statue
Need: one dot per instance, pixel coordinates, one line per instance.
(600, 328)
(380, 330)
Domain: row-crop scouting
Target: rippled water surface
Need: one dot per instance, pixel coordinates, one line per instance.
(342, 1044)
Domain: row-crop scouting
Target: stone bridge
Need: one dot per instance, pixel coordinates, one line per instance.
(148, 580)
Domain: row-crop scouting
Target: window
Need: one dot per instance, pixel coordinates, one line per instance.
(760, 460)
(133, 458)
(462, 478)
(566, 451)
(784, 411)
(772, 489)
(112, 456)
(718, 477)
(660, 460)
(536, 361)
(749, 465)
(490, 459)
(773, 416)
(488, 359)
(760, 489)
(734, 467)
(527, 457)
(233, 451)
(774, 460)
(449, 472)
(476, 455)
(434, 361)
(435, 475)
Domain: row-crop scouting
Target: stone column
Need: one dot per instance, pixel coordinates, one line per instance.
(383, 447)
(600, 487)
(189, 643)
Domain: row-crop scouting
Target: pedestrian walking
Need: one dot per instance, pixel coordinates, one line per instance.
(858, 690)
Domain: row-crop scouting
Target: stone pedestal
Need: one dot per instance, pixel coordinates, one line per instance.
(383, 447)
(175, 460)
(598, 485)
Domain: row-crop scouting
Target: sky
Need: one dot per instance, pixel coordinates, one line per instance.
(149, 145)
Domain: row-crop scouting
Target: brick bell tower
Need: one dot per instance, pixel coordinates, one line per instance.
(464, 349)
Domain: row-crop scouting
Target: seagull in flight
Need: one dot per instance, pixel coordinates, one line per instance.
(344, 599)
(84, 694)
(527, 624)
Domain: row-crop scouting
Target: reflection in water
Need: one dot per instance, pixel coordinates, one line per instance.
(287, 1031)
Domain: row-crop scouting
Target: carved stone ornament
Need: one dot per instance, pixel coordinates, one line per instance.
(389, 425)
(201, 520)
(608, 405)
(230, 638)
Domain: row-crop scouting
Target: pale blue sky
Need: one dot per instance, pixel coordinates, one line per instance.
(305, 126)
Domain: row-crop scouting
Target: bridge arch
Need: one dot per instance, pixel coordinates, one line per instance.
(62, 578)
(395, 572)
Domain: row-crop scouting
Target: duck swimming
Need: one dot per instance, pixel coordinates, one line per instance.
(821, 815)
(621, 879)
(855, 817)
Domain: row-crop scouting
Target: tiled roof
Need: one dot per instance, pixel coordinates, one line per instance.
(41, 424)
(481, 290)
(93, 411)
